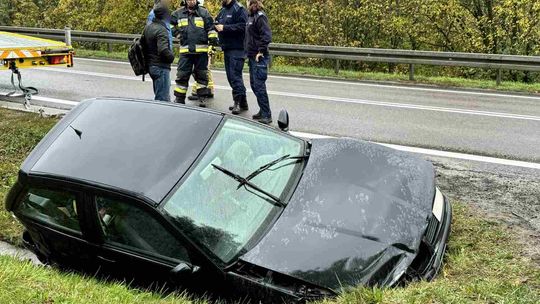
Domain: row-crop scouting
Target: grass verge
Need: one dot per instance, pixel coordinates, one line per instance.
(483, 264)
(441, 81)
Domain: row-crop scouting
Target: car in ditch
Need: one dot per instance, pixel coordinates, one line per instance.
(196, 195)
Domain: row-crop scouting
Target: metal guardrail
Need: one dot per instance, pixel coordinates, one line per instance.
(475, 60)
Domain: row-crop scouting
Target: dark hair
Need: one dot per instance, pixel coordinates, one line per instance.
(255, 6)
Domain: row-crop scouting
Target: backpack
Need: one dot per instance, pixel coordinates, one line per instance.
(136, 57)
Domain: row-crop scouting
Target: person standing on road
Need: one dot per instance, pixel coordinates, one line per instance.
(258, 38)
(211, 53)
(231, 26)
(152, 15)
(194, 26)
(158, 53)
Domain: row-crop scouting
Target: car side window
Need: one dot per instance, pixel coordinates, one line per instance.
(52, 207)
(132, 227)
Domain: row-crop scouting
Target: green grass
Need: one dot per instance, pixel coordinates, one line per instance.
(483, 264)
(442, 81)
(21, 282)
(19, 133)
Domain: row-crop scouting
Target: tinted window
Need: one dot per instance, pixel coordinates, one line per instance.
(135, 228)
(209, 206)
(52, 207)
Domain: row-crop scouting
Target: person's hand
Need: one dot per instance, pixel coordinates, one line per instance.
(258, 57)
(219, 27)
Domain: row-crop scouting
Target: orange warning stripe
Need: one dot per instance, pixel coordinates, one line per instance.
(19, 54)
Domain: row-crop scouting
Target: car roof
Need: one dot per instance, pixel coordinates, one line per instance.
(139, 147)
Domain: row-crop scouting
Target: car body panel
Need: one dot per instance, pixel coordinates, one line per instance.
(359, 208)
(140, 148)
(358, 213)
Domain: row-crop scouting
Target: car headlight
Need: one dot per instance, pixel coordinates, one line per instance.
(438, 205)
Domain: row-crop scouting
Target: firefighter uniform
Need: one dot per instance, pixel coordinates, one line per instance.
(195, 29)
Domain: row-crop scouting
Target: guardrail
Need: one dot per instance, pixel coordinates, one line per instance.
(410, 57)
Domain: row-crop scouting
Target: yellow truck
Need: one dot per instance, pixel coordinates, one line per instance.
(21, 51)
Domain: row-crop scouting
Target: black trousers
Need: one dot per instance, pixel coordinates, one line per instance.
(196, 64)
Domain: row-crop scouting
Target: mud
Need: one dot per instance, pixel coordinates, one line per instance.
(504, 194)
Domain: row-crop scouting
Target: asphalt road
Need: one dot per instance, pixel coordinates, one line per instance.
(481, 123)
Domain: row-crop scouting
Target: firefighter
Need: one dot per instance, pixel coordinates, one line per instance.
(194, 26)
(211, 53)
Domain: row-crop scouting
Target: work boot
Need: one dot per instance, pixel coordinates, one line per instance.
(180, 99)
(257, 116)
(236, 109)
(243, 104)
(266, 120)
(193, 97)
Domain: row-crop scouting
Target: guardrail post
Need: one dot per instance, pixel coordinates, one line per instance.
(67, 32)
(499, 77)
(411, 72)
(337, 66)
(109, 48)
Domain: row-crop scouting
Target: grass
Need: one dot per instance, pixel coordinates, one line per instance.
(278, 68)
(22, 282)
(483, 263)
(19, 133)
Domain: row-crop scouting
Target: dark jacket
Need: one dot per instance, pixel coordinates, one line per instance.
(258, 34)
(234, 18)
(193, 29)
(156, 41)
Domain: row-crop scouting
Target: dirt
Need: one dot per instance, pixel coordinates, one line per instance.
(503, 194)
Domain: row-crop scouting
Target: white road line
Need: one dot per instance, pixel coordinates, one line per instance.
(333, 99)
(428, 152)
(363, 84)
(438, 153)
(54, 100)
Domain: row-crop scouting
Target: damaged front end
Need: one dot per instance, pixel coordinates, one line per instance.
(361, 215)
(273, 287)
(430, 254)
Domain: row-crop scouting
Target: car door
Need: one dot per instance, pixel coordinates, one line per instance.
(54, 221)
(137, 242)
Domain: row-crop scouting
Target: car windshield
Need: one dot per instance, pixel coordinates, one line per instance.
(210, 207)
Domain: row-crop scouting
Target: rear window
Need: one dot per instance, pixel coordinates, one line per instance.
(55, 208)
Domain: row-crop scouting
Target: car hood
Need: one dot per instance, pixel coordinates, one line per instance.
(356, 217)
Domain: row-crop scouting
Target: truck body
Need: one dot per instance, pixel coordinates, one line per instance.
(21, 51)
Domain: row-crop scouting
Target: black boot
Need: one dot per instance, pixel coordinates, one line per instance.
(257, 116)
(236, 108)
(180, 99)
(243, 103)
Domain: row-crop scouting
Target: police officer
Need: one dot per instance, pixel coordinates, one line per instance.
(258, 38)
(193, 25)
(231, 27)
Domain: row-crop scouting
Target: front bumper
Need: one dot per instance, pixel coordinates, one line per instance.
(430, 257)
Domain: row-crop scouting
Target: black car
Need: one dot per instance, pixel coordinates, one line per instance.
(199, 196)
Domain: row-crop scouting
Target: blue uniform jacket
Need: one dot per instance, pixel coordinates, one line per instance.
(234, 18)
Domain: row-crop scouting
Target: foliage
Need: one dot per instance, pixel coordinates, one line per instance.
(478, 26)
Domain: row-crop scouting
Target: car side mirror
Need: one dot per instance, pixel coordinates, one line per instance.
(283, 120)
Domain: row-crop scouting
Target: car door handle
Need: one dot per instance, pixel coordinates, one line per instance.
(105, 259)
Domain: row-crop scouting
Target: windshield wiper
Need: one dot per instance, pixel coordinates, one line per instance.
(273, 163)
(245, 182)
